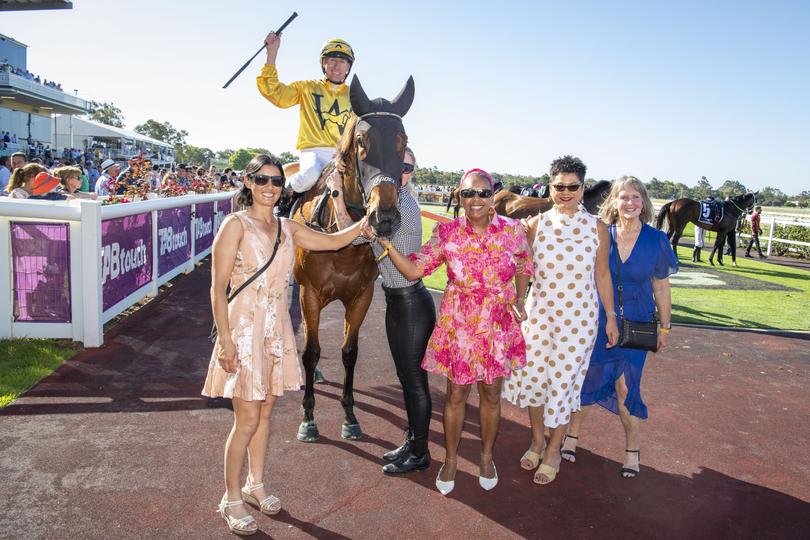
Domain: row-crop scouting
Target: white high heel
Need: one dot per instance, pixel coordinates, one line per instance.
(489, 483)
(444, 487)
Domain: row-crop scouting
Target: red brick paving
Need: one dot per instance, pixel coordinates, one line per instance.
(117, 443)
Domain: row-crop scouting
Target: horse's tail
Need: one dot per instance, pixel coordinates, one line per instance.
(662, 214)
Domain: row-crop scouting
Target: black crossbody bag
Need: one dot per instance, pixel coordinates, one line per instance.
(634, 334)
(260, 271)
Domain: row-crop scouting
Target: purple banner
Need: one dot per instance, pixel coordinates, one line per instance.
(203, 227)
(126, 256)
(41, 264)
(174, 238)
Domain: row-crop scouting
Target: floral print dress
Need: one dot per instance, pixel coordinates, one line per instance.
(476, 338)
(260, 323)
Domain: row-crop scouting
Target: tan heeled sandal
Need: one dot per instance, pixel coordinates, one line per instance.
(270, 506)
(244, 526)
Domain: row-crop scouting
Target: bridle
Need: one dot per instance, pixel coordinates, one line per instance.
(380, 178)
(753, 203)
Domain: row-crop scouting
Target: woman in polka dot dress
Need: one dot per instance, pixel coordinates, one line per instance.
(570, 253)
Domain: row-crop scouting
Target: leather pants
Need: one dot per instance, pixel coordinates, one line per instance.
(410, 316)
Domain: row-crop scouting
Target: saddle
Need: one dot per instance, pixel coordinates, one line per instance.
(711, 211)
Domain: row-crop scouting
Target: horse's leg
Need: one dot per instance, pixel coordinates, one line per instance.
(719, 244)
(308, 430)
(355, 313)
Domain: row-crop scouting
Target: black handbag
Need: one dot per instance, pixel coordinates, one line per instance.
(260, 271)
(633, 334)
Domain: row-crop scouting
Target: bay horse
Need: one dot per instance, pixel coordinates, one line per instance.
(516, 206)
(680, 212)
(372, 150)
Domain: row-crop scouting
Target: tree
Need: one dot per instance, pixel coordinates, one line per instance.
(287, 157)
(703, 189)
(730, 188)
(162, 131)
(106, 113)
(195, 155)
(239, 159)
(769, 196)
(224, 154)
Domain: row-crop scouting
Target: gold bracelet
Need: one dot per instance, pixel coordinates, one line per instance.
(663, 330)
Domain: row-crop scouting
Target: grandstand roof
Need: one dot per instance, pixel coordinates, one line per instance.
(82, 127)
(28, 5)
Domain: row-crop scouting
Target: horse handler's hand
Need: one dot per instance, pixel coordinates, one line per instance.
(365, 229)
(612, 331)
(335, 181)
(227, 356)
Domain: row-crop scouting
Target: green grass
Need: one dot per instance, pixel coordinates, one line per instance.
(24, 362)
(784, 310)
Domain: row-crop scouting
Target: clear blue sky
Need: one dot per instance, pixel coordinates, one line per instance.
(674, 90)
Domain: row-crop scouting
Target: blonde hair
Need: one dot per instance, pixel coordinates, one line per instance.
(411, 187)
(63, 173)
(23, 174)
(608, 211)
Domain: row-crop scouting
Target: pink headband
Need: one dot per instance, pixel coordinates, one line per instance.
(480, 172)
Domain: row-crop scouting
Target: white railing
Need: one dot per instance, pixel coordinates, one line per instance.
(118, 254)
(32, 87)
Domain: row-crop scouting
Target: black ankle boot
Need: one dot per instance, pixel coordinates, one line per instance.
(397, 453)
(409, 462)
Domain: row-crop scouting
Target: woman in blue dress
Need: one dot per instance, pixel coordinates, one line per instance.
(614, 375)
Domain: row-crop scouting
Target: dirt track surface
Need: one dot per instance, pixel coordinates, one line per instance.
(117, 443)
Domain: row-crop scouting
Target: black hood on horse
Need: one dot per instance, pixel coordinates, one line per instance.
(381, 142)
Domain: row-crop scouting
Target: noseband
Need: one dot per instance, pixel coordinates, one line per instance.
(380, 178)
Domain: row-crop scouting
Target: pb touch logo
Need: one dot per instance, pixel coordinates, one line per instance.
(333, 114)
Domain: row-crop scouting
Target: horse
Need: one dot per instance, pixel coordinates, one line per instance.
(682, 211)
(515, 206)
(372, 150)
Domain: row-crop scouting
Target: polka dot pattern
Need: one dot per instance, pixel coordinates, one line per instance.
(562, 324)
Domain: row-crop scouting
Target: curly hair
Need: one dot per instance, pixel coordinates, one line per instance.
(568, 164)
(245, 196)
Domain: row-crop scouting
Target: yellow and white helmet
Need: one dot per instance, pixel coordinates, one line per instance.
(337, 48)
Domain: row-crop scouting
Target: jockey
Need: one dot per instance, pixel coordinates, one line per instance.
(325, 109)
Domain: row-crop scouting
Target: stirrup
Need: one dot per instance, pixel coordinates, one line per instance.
(270, 506)
(242, 526)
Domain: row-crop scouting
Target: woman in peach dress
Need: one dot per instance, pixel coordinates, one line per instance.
(254, 359)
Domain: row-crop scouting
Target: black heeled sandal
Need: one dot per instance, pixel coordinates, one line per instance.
(569, 455)
(632, 473)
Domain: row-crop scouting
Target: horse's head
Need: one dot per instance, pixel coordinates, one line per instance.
(380, 139)
(746, 201)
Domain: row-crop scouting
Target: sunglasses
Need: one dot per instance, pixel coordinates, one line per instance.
(569, 187)
(262, 179)
(407, 168)
(470, 193)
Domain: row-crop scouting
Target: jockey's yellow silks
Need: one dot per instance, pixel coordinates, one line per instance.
(324, 107)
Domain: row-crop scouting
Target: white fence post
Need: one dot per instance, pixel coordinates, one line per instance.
(92, 300)
(6, 281)
(192, 230)
(770, 235)
(153, 290)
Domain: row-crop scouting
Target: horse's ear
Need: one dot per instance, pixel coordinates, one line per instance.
(402, 103)
(358, 98)
(756, 193)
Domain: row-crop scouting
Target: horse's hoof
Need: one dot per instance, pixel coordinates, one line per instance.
(711, 262)
(308, 431)
(351, 431)
(318, 377)
(734, 264)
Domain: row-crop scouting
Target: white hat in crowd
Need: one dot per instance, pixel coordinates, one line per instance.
(106, 164)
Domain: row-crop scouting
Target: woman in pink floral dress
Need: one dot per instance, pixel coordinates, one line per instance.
(477, 338)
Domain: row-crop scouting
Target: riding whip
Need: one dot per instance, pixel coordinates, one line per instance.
(241, 69)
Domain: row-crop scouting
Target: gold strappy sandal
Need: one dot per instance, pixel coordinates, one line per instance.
(242, 526)
(270, 506)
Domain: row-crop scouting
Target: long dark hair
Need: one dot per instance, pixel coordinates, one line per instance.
(245, 197)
